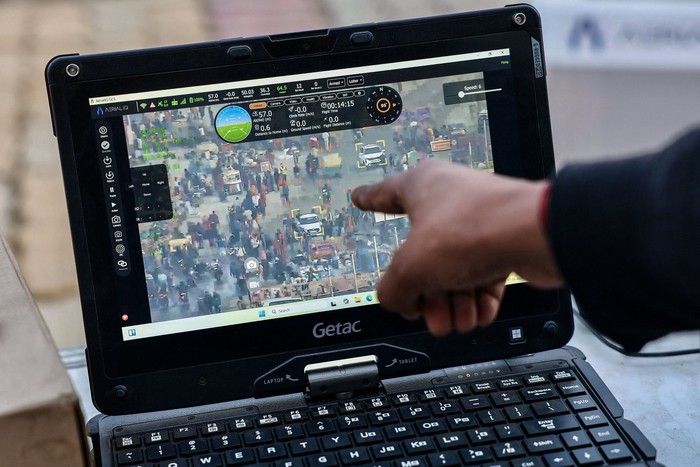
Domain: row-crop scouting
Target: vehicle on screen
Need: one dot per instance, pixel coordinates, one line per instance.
(371, 154)
(310, 224)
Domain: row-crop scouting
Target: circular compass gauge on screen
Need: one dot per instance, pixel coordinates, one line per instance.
(233, 124)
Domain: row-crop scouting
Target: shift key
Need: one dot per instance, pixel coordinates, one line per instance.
(551, 425)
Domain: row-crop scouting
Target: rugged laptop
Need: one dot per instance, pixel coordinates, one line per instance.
(228, 283)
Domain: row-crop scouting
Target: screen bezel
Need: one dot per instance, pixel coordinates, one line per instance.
(181, 362)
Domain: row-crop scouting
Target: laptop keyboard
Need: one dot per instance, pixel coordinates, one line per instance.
(539, 419)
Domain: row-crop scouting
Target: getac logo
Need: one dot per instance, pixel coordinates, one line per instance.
(323, 330)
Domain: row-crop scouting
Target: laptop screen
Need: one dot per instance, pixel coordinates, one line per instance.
(209, 193)
(242, 189)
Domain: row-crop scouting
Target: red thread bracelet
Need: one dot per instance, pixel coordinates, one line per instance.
(543, 214)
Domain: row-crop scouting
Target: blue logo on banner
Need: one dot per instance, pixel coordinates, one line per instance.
(586, 28)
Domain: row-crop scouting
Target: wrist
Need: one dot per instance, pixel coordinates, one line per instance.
(532, 256)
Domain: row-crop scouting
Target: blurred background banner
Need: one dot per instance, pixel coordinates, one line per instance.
(621, 34)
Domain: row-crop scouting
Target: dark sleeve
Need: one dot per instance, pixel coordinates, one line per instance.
(626, 238)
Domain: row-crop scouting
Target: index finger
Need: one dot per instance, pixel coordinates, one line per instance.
(385, 196)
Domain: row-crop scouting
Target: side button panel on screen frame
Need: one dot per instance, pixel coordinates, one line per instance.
(113, 201)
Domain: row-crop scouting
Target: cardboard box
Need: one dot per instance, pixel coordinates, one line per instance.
(40, 419)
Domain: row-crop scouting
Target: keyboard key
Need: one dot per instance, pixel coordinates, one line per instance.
(320, 426)
(291, 431)
(156, 437)
(587, 456)
(535, 379)
(460, 422)
(193, 446)
(336, 441)
(414, 412)
(263, 435)
(402, 399)
(349, 407)
(303, 447)
(127, 442)
(377, 403)
(517, 413)
(290, 463)
(354, 456)
(509, 383)
(581, 403)
(269, 420)
(442, 408)
(491, 417)
(223, 442)
(479, 388)
(444, 458)
(352, 422)
(571, 388)
(617, 452)
(241, 456)
(508, 450)
(210, 460)
(458, 390)
(555, 424)
(430, 427)
(592, 418)
(322, 411)
(396, 432)
(474, 402)
(213, 428)
(184, 432)
(322, 460)
(504, 398)
(175, 463)
(549, 408)
(272, 452)
(160, 452)
(387, 451)
(561, 375)
(418, 446)
(543, 444)
(383, 417)
(558, 459)
(576, 439)
(538, 393)
(428, 395)
(475, 455)
(367, 436)
(451, 441)
(241, 424)
(603, 435)
(296, 416)
(481, 435)
(527, 462)
(510, 431)
(130, 456)
(410, 462)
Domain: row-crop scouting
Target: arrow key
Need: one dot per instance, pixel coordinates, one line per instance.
(616, 452)
(559, 459)
(587, 456)
(576, 439)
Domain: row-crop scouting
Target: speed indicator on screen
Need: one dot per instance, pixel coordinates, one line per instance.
(384, 104)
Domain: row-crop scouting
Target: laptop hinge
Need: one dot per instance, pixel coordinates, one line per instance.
(342, 378)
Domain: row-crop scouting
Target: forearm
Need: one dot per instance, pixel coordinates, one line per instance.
(624, 235)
